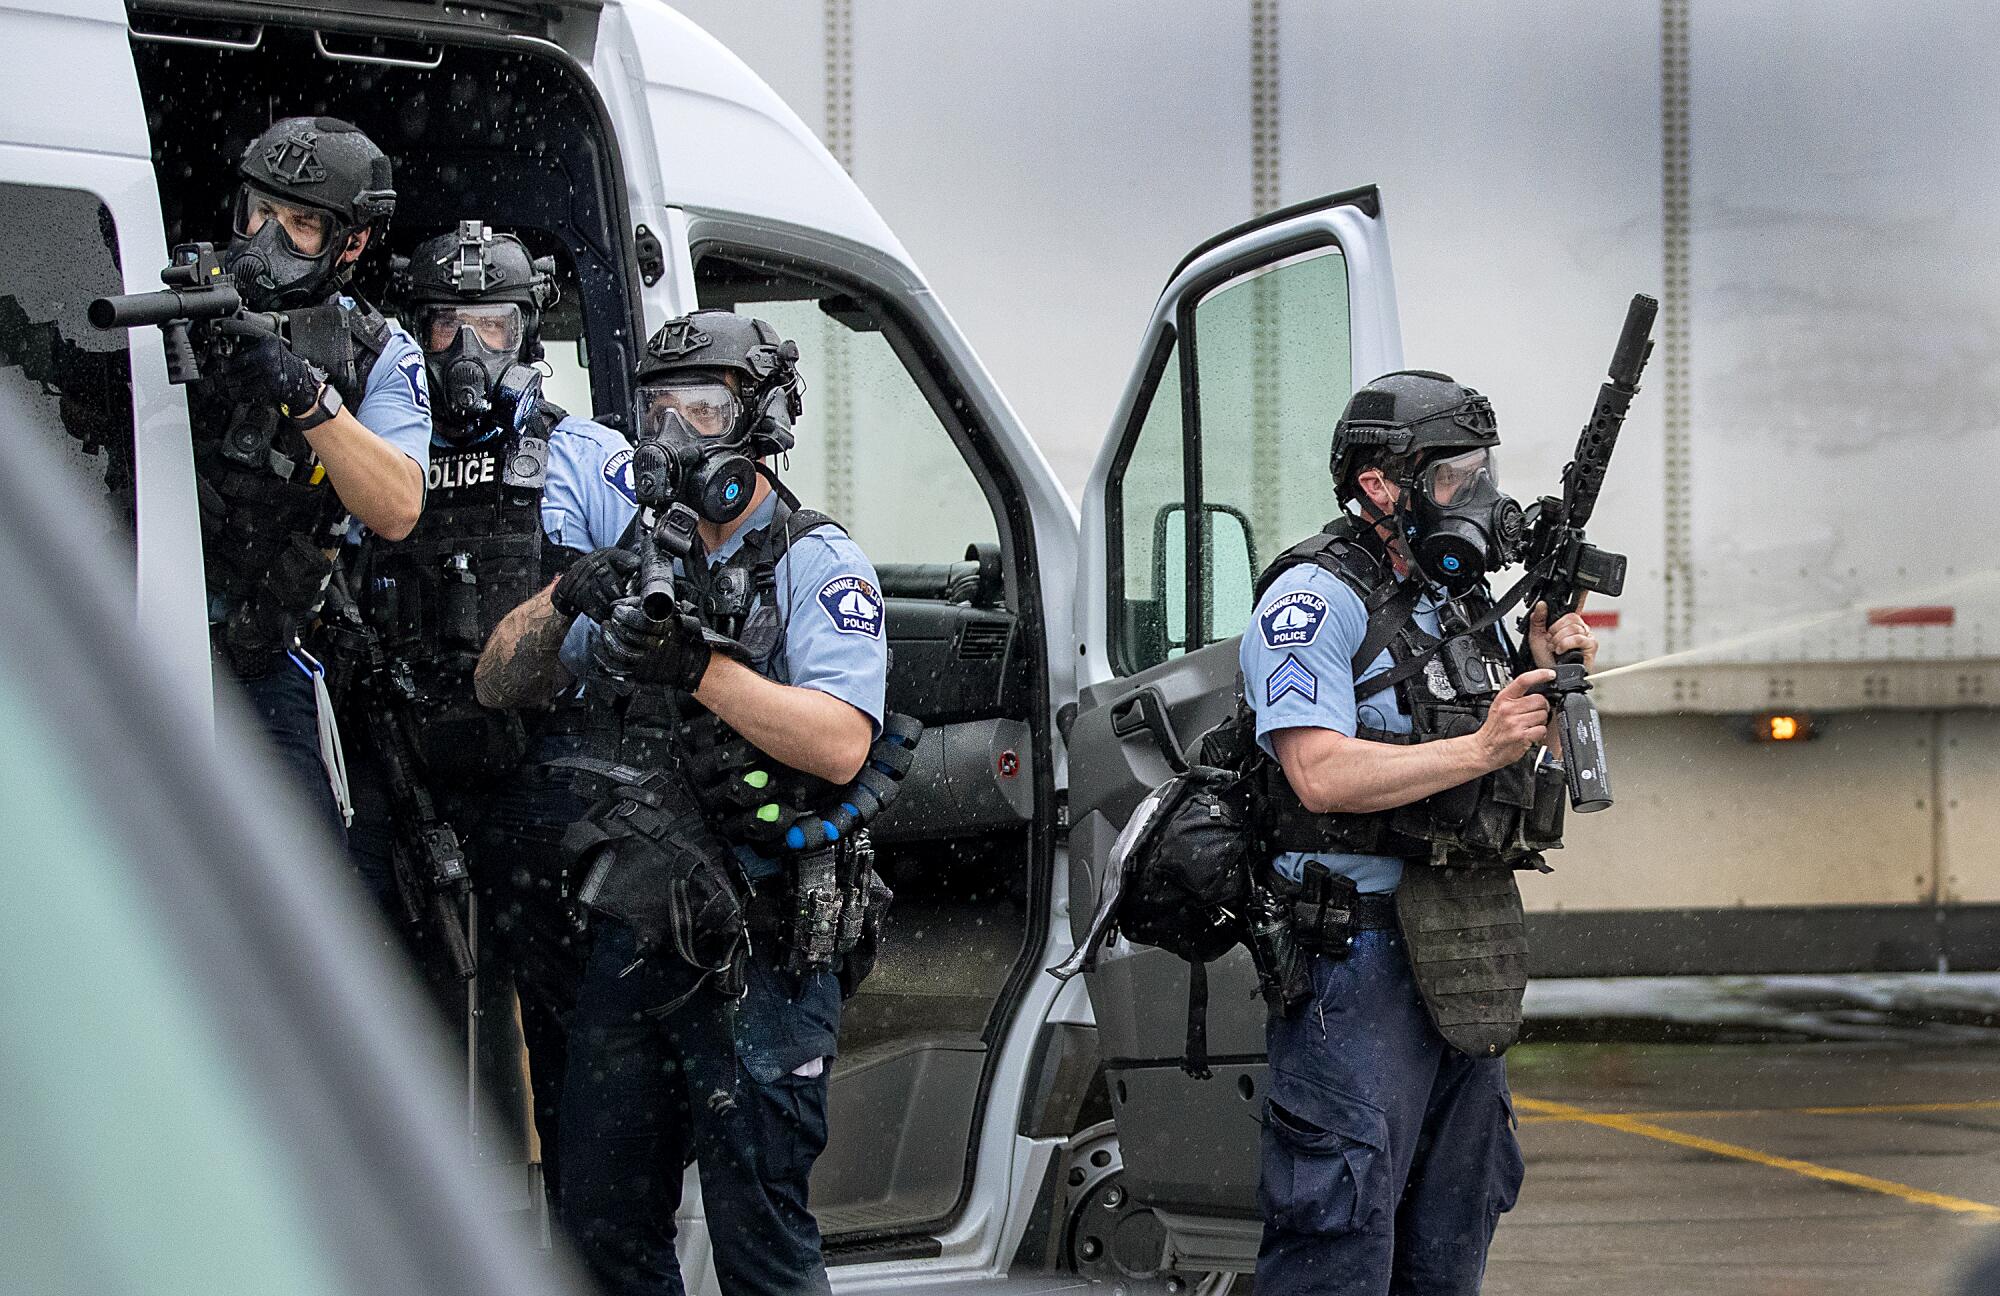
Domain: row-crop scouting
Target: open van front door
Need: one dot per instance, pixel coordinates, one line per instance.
(1216, 462)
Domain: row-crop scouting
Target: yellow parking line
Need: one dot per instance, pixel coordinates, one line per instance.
(1988, 1105)
(1715, 1147)
(1873, 1109)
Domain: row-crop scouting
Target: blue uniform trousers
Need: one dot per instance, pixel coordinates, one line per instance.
(709, 1082)
(282, 702)
(1388, 1156)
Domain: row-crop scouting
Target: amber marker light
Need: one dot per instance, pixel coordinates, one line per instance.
(1782, 728)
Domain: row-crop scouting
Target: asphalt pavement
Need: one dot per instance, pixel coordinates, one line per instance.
(1844, 1138)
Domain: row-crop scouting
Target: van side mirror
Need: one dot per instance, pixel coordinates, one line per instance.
(1229, 574)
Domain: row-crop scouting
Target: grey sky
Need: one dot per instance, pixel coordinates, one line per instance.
(1047, 164)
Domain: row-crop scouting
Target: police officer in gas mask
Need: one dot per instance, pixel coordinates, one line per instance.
(1404, 772)
(708, 1014)
(294, 433)
(519, 490)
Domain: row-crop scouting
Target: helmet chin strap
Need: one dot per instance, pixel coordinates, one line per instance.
(1398, 520)
(778, 487)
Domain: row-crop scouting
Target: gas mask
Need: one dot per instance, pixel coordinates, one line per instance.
(690, 450)
(291, 258)
(1459, 526)
(473, 352)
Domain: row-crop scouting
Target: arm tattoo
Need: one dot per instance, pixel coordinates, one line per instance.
(520, 666)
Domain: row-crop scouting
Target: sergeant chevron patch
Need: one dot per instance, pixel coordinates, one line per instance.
(1291, 677)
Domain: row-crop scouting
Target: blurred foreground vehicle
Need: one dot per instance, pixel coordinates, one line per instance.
(215, 1083)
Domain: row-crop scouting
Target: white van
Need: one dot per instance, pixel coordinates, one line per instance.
(1058, 662)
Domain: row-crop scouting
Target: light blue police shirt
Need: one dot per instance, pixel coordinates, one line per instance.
(396, 401)
(588, 499)
(1296, 660)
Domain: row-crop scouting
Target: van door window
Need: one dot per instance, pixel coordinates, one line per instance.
(1149, 503)
(1272, 371)
(65, 381)
(871, 453)
(1274, 374)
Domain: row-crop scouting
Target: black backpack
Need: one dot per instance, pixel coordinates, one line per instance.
(1179, 879)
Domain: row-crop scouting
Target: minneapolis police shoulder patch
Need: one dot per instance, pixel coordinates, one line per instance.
(411, 367)
(853, 606)
(1293, 621)
(618, 472)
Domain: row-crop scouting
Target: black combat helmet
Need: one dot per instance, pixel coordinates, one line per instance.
(1458, 525)
(475, 299)
(699, 435)
(333, 171)
(1409, 412)
(703, 345)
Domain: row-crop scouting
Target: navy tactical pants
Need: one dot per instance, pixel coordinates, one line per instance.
(282, 702)
(647, 1094)
(1388, 1156)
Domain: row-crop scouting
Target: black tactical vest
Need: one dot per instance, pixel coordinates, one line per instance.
(271, 523)
(1458, 906)
(434, 596)
(1502, 820)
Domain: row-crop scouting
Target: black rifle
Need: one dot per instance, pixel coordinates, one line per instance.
(660, 543)
(200, 292)
(432, 880)
(1563, 566)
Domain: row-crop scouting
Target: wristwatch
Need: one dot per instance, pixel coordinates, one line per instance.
(322, 410)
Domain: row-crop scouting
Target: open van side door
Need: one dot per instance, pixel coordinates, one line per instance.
(80, 218)
(1217, 461)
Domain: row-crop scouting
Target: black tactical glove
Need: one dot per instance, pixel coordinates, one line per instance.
(594, 582)
(259, 369)
(635, 648)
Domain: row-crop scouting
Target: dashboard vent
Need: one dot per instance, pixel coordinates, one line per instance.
(984, 640)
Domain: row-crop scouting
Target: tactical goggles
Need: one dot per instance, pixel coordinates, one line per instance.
(500, 327)
(708, 406)
(306, 231)
(1458, 478)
